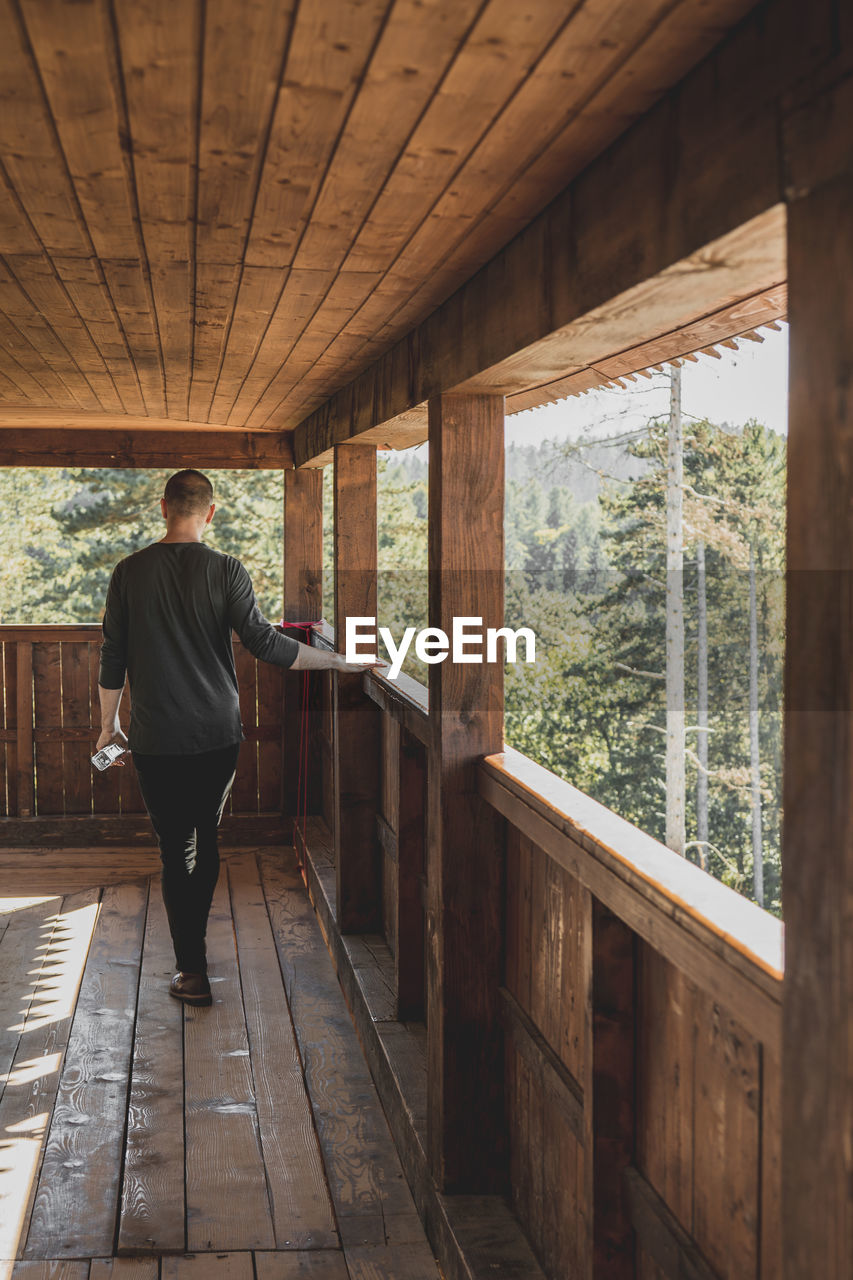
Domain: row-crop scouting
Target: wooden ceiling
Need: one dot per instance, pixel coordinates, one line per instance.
(220, 211)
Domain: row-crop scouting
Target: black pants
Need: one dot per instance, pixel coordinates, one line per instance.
(185, 796)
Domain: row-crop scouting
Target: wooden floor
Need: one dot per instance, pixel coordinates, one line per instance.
(141, 1139)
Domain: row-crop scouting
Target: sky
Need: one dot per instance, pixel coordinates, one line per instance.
(751, 382)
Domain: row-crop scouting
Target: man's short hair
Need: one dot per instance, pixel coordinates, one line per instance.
(188, 493)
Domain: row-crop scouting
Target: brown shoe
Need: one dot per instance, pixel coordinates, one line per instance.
(192, 988)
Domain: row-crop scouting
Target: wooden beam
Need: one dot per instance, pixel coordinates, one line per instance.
(466, 1125)
(767, 305)
(179, 445)
(637, 245)
(356, 743)
(817, 858)
(302, 602)
(303, 546)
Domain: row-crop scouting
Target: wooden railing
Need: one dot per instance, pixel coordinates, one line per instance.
(640, 999)
(51, 721)
(641, 1004)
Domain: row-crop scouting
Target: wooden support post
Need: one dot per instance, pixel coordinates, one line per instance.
(465, 872)
(356, 743)
(303, 602)
(817, 857)
(410, 877)
(26, 769)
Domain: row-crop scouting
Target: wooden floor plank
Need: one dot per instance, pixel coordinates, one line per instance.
(313, 1264)
(124, 1269)
(207, 1266)
(392, 1262)
(23, 948)
(75, 1210)
(33, 1080)
(152, 1217)
(372, 1200)
(227, 1200)
(302, 1210)
(62, 871)
(59, 1269)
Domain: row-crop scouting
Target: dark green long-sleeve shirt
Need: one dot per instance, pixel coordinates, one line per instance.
(170, 611)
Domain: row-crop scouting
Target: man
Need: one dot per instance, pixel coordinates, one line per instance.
(170, 611)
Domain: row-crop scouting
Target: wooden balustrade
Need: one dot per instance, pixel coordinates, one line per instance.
(51, 721)
(639, 999)
(641, 1010)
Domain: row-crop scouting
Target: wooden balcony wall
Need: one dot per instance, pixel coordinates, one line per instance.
(641, 1008)
(51, 721)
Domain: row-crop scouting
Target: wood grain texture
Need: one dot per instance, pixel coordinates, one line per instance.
(817, 1060)
(124, 1269)
(373, 1204)
(153, 1215)
(227, 1196)
(76, 1206)
(264, 197)
(55, 440)
(48, 993)
(299, 1201)
(465, 850)
(356, 745)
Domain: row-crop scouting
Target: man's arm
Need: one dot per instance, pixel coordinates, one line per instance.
(111, 730)
(263, 641)
(113, 665)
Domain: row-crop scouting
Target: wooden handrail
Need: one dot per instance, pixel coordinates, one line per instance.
(723, 942)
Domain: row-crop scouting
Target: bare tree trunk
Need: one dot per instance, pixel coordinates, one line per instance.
(702, 710)
(675, 784)
(754, 758)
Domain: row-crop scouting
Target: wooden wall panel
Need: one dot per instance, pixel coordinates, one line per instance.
(544, 964)
(389, 807)
(47, 685)
(76, 719)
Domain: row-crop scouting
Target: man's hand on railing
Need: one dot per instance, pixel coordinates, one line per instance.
(311, 659)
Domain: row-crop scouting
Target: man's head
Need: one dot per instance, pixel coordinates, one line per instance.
(187, 498)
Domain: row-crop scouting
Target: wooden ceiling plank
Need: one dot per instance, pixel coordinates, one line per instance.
(465, 228)
(304, 289)
(72, 46)
(159, 46)
(78, 63)
(330, 47)
(258, 295)
(326, 323)
(413, 54)
(26, 367)
(243, 64)
(16, 232)
(29, 148)
(129, 288)
(17, 307)
(45, 291)
(84, 281)
(502, 46)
